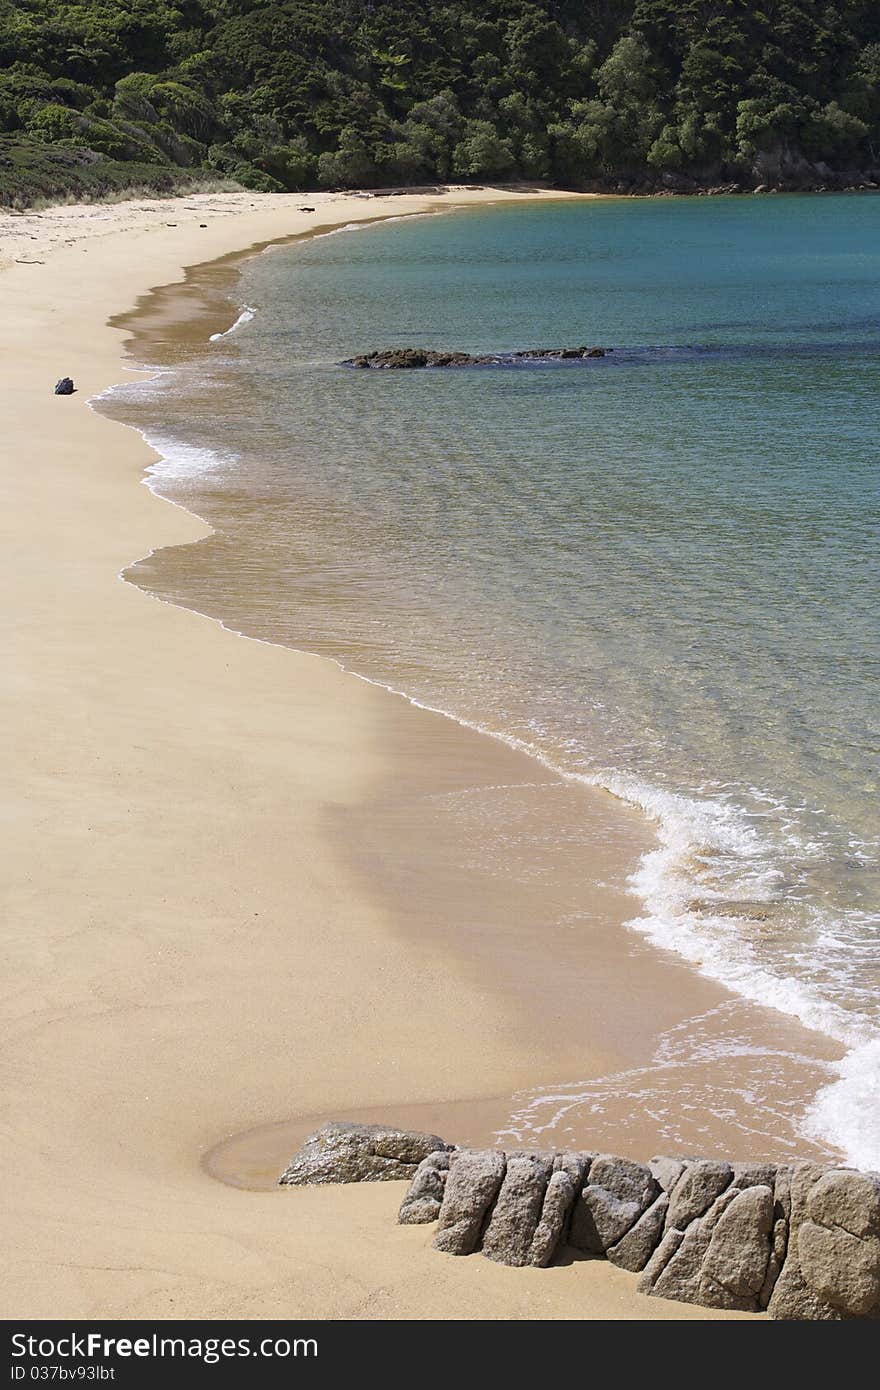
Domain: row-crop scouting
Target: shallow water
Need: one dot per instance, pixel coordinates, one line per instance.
(655, 570)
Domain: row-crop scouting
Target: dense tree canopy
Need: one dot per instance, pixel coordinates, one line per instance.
(334, 93)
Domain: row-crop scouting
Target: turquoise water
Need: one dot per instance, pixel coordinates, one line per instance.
(657, 570)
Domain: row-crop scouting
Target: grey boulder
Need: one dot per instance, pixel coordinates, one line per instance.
(635, 1249)
(511, 1229)
(794, 1297)
(849, 1199)
(425, 1193)
(735, 1264)
(700, 1184)
(838, 1242)
(619, 1190)
(344, 1152)
(472, 1186)
(747, 1174)
(778, 1248)
(551, 1230)
(666, 1171)
(563, 1188)
(675, 1269)
(843, 1269)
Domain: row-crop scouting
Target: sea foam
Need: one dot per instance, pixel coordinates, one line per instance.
(847, 1111)
(708, 863)
(244, 317)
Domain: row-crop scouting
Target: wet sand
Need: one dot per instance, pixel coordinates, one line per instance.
(236, 893)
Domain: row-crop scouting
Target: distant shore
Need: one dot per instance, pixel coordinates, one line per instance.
(193, 950)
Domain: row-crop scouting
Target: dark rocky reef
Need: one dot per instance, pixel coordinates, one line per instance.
(799, 1240)
(402, 359)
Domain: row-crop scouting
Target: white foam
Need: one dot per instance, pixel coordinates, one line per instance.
(849, 1109)
(244, 317)
(709, 851)
(180, 462)
(146, 372)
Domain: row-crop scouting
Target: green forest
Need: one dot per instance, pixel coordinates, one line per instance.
(626, 94)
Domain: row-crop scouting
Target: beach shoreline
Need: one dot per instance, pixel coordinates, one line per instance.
(193, 948)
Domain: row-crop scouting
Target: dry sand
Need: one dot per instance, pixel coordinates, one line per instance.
(191, 948)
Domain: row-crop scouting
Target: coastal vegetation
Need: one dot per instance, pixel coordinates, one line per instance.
(626, 94)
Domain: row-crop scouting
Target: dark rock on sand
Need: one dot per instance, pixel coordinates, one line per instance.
(343, 1152)
(64, 386)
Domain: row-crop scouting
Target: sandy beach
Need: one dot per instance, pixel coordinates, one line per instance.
(198, 941)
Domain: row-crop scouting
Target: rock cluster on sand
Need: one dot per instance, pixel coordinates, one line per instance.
(401, 359)
(800, 1240)
(343, 1152)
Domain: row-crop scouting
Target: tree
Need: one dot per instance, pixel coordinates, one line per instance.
(293, 91)
(481, 153)
(350, 165)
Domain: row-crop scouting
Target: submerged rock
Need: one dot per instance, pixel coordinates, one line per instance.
(403, 359)
(344, 1152)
